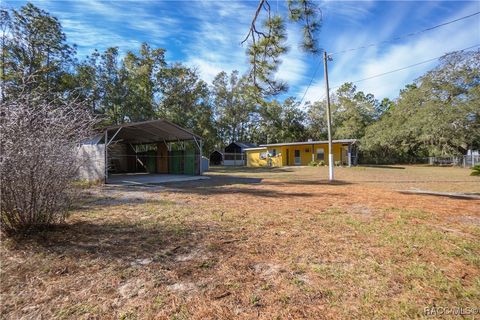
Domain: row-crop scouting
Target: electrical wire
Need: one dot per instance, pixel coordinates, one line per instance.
(311, 81)
(400, 69)
(407, 67)
(388, 41)
(406, 35)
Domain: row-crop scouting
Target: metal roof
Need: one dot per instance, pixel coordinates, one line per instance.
(256, 148)
(149, 132)
(308, 142)
(242, 145)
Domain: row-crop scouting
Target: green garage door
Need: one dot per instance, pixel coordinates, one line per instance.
(182, 162)
(189, 162)
(175, 163)
(151, 161)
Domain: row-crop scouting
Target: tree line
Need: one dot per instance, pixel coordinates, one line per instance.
(437, 115)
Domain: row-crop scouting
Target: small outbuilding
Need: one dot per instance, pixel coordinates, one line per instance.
(234, 154)
(216, 158)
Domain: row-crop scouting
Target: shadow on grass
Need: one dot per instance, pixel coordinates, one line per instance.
(265, 193)
(322, 182)
(413, 181)
(241, 169)
(382, 166)
(112, 241)
(463, 196)
(222, 184)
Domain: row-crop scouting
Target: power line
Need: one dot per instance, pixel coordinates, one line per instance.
(388, 41)
(311, 81)
(407, 67)
(400, 69)
(406, 35)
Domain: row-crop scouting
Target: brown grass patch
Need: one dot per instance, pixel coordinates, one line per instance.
(265, 244)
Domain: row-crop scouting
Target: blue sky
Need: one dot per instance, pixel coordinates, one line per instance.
(207, 35)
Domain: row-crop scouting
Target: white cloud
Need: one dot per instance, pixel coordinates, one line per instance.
(217, 45)
(293, 67)
(351, 11)
(214, 45)
(100, 24)
(376, 60)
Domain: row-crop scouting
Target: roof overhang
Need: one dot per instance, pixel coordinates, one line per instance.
(341, 141)
(149, 132)
(256, 148)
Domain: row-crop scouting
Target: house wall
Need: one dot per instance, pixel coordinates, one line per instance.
(91, 162)
(286, 155)
(306, 152)
(254, 160)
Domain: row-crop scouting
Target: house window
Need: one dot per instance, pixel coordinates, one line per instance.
(320, 154)
(263, 155)
(273, 153)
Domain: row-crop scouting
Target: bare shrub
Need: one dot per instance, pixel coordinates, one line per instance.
(39, 139)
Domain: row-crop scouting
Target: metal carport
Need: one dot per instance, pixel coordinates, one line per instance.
(123, 141)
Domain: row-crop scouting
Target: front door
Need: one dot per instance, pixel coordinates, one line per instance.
(288, 157)
(298, 160)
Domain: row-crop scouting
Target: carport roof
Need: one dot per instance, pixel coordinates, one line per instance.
(149, 132)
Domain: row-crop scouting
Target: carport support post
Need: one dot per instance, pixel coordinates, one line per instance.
(107, 143)
(199, 146)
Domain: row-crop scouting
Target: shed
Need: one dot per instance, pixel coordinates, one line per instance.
(216, 158)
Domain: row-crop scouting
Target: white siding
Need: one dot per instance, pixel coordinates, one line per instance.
(91, 162)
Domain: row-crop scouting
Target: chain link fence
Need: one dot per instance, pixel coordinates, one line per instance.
(467, 161)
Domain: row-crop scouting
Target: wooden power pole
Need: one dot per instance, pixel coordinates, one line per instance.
(329, 120)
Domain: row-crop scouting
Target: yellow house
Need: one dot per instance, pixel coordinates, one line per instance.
(301, 153)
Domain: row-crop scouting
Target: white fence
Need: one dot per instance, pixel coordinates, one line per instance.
(462, 161)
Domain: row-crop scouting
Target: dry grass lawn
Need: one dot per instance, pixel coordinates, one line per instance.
(255, 244)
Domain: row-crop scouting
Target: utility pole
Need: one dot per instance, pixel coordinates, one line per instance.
(329, 119)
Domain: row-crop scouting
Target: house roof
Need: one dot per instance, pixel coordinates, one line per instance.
(256, 148)
(149, 132)
(349, 141)
(242, 145)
